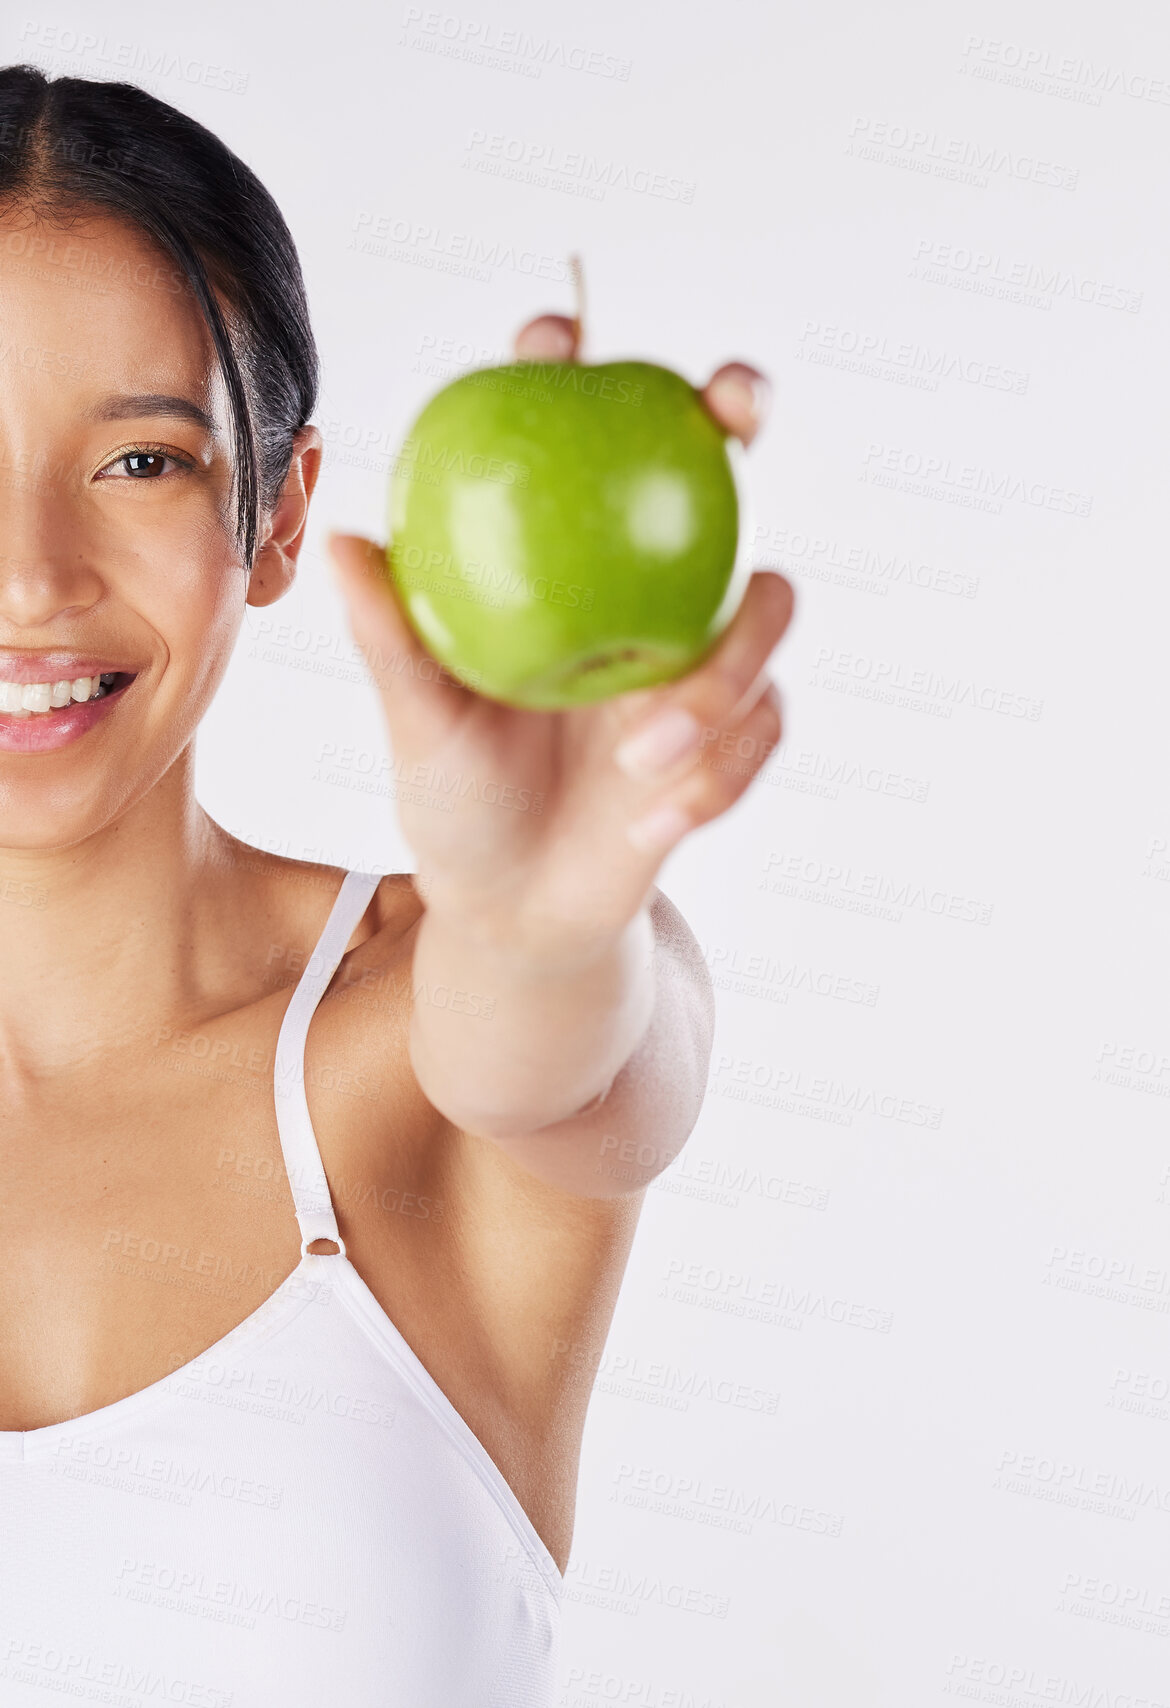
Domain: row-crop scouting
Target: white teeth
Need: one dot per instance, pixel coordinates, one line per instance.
(21, 699)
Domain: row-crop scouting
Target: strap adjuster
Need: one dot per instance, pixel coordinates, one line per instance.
(311, 1239)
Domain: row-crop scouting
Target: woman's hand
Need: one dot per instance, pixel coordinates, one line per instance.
(542, 832)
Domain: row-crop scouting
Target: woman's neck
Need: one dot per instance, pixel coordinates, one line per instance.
(107, 940)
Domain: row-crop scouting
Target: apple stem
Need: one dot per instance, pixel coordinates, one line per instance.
(577, 273)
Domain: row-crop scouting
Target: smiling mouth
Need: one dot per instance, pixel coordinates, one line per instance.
(46, 700)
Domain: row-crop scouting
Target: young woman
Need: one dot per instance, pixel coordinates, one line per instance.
(299, 1321)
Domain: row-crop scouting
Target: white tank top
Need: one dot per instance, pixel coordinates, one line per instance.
(298, 1518)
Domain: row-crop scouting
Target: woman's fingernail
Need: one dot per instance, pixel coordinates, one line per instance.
(549, 339)
(745, 393)
(659, 829)
(658, 746)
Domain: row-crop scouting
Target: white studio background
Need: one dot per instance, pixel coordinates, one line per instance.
(884, 1417)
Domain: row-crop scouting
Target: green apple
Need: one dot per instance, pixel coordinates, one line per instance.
(559, 533)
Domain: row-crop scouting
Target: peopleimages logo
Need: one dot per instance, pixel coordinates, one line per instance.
(1011, 1683)
(191, 1589)
(721, 1505)
(544, 162)
(921, 682)
(823, 558)
(394, 238)
(812, 773)
(934, 476)
(626, 1590)
(1065, 74)
(632, 1376)
(953, 157)
(903, 360)
(727, 1070)
(786, 872)
(990, 274)
(69, 1670)
(691, 1281)
(421, 454)
(134, 57)
(1070, 1480)
(504, 49)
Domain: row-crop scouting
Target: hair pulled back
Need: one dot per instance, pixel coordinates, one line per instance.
(71, 146)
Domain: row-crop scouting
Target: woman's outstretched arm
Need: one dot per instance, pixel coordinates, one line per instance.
(581, 1043)
(590, 1073)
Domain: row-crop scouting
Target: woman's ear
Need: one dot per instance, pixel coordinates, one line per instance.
(275, 563)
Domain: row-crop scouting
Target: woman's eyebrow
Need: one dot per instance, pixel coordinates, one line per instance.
(123, 406)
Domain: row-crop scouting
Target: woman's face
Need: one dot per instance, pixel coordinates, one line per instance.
(117, 550)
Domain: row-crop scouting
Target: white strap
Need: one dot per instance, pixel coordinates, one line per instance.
(302, 1155)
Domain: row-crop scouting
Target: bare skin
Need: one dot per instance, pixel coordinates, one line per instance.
(139, 942)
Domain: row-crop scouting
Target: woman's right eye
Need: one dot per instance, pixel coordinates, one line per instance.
(143, 458)
(143, 463)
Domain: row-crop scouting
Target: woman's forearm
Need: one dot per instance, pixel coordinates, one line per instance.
(535, 1035)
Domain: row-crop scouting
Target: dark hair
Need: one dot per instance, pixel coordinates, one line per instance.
(69, 145)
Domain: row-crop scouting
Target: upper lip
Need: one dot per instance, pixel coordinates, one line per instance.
(27, 667)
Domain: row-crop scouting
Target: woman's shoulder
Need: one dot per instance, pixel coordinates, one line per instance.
(299, 894)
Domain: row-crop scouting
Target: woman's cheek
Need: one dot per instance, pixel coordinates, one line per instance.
(189, 587)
